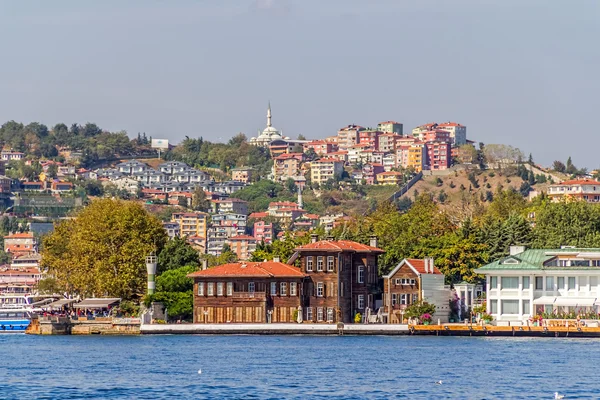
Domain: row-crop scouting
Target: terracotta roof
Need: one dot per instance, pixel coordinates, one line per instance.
(450, 124)
(389, 122)
(230, 200)
(20, 271)
(580, 182)
(390, 173)
(266, 269)
(283, 203)
(242, 237)
(339, 245)
(258, 215)
(27, 235)
(291, 209)
(312, 216)
(286, 156)
(419, 265)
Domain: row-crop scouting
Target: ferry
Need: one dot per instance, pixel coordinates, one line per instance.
(14, 320)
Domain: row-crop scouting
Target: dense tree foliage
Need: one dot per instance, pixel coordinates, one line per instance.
(177, 253)
(102, 251)
(224, 156)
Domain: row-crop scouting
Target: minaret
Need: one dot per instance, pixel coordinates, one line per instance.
(269, 116)
(299, 197)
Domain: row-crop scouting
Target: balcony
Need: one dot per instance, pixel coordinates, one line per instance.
(250, 295)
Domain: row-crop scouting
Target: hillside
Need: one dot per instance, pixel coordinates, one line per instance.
(479, 184)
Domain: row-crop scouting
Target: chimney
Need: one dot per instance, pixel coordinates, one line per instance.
(514, 250)
(425, 263)
(373, 241)
(314, 238)
(204, 264)
(431, 264)
(330, 238)
(275, 259)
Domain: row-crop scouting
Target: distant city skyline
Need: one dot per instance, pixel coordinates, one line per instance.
(514, 72)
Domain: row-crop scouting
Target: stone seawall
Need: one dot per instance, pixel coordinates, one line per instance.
(84, 326)
(275, 329)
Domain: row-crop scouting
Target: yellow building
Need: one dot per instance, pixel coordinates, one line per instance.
(192, 224)
(390, 178)
(416, 156)
(324, 169)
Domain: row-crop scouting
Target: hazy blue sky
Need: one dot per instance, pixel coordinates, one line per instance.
(518, 72)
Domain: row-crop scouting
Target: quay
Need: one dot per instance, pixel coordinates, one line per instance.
(275, 329)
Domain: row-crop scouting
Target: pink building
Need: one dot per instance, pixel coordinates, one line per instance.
(321, 147)
(438, 155)
(437, 135)
(369, 137)
(263, 231)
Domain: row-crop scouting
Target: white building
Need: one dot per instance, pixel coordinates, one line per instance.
(530, 282)
(458, 132)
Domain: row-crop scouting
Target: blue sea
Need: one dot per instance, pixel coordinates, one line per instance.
(296, 367)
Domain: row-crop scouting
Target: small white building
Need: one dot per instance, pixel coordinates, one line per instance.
(536, 281)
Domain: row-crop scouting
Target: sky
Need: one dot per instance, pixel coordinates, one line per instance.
(518, 72)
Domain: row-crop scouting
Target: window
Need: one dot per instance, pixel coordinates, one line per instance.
(251, 287)
(330, 263)
(525, 283)
(560, 282)
(273, 288)
(549, 283)
(309, 314)
(283, 289)
(361, 274)
(320, 289)
(526, 307)
(403, 298)
(219, 288)
(413, 281)
(571, 283)
(539, 283)
(493, 282)
(397, 281)
(341, 289)
(200, 288)
(319, 314)
(509, 282)
(330, 314)
(210, 289)
(510, 306)
(319, 263)
(415, 298)
(393, 299)
(293, 288)
(229, 288)
(309, 263)
(360, 303)
(494, 306)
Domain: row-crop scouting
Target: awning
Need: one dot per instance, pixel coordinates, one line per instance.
(98, 303)
(545, 300)
(60, 303)
(575, 301)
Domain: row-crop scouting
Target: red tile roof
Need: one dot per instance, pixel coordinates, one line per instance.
(258, 215)
(242, 237)
(389, 122)
(27, 235)
(419, 265)
(339, 245)
(268, 269)
(327, 160)
(580, 182)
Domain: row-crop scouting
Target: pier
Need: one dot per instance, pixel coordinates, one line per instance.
(275, 329)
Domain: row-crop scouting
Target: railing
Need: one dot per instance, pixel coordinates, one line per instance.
(249, 295)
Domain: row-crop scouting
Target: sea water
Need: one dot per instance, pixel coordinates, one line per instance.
(296, 367)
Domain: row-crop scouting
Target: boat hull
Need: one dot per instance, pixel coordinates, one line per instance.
(13, 325)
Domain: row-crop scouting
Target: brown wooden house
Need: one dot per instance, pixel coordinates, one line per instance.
(341, 279)
(403, 286)
(256, 292)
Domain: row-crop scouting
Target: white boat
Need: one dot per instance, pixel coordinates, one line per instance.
(14, 319)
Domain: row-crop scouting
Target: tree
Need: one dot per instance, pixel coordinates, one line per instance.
(559, 166)
(176, 280)
(49, 286)
(102, 251)
(52, 170)
(177, 253)
(301, 137)
(182, 201)
(93, 188)
(199, 200)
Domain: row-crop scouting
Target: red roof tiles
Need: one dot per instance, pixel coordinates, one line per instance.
(419, 266)
(268, 269)
(339, 245)
(580, 182)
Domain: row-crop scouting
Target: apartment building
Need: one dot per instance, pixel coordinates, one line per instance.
(348, 136)
(324, 169)
(438, 155)
(390, 127)
(579, 189)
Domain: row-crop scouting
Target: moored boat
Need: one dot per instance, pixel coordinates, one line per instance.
(14, 320)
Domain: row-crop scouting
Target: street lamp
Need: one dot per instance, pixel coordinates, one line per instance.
(205, 316)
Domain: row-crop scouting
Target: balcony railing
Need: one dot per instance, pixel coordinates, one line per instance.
(249, 295)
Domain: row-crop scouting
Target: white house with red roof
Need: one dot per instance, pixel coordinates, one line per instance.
(411, 281)
(579, 189)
